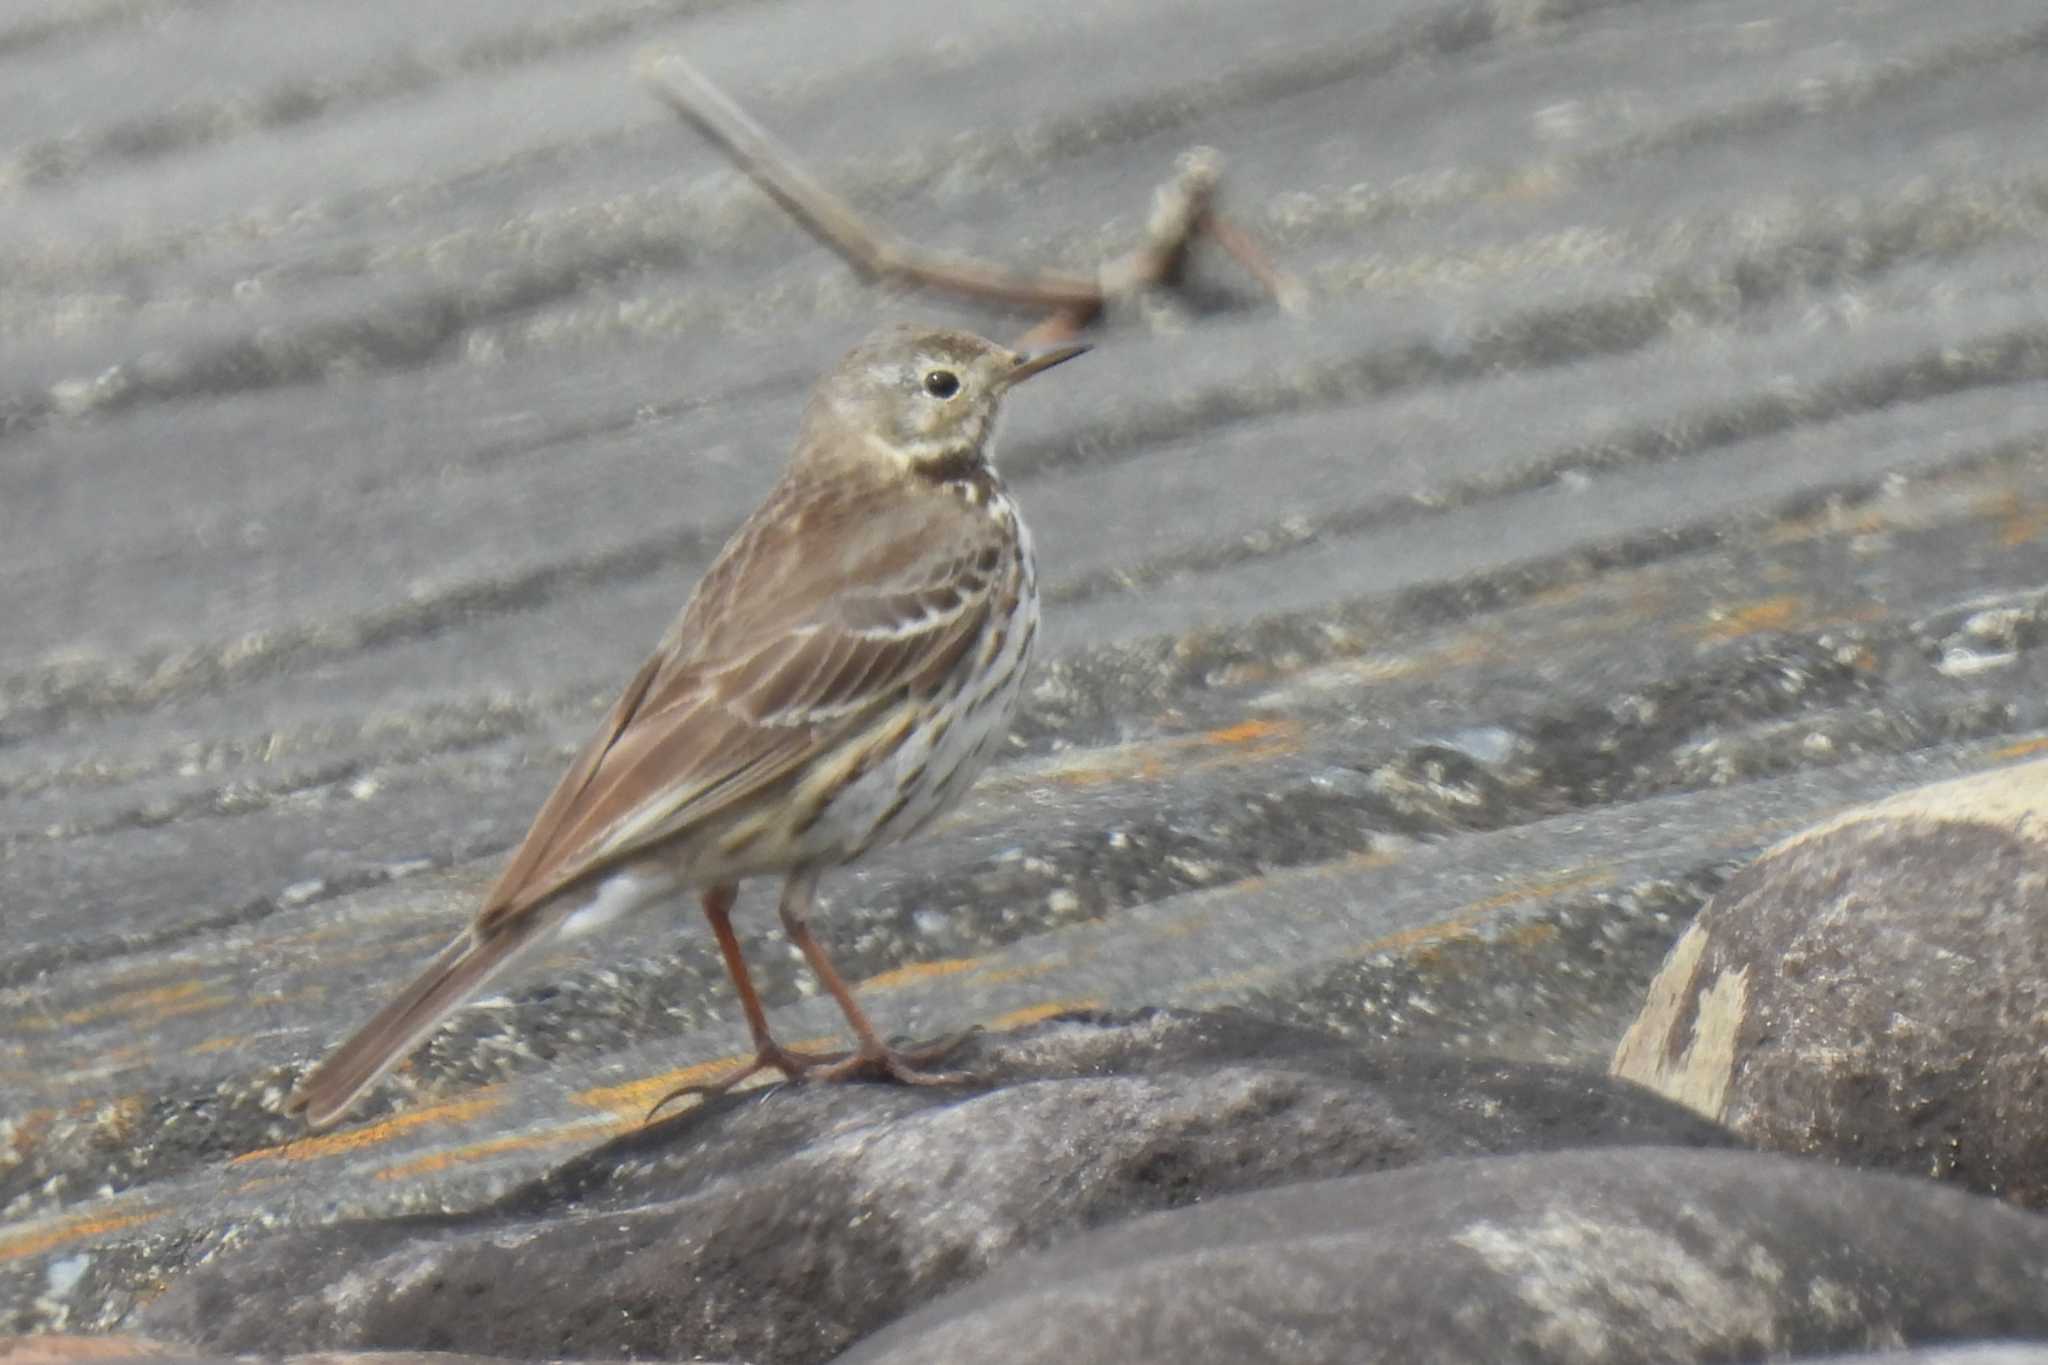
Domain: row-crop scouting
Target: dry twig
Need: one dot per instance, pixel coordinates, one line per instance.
(1182, 210)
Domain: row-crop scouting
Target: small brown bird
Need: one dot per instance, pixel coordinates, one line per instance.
(841, 675)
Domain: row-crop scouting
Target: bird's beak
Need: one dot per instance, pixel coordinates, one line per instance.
(1039, 361)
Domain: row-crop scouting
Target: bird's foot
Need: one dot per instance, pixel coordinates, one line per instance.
(771, 1056)
(904, 1066)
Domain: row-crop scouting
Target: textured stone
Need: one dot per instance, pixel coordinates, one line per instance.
(1652, 477)
(1618, 1255)
(785, 1228)
(1875, 990)
(1982, 1353)
(56, 1348)
(65, 1349)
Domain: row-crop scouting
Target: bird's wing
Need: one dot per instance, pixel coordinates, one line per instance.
(825, 610)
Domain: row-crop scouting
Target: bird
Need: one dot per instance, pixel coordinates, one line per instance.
(841, 674)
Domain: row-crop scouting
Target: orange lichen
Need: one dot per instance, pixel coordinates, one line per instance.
(917, 971)
(33, 1241)
(1772, 613)
(1031, 1014)
(632, 1099)
(434, 1162)
(371, 1135)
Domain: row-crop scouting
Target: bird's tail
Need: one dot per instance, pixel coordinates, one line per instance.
(463, 967)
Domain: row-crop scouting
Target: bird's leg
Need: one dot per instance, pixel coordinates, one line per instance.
(871, 1059)
(768, 1054)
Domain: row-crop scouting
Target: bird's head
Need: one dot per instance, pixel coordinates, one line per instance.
(918, 399)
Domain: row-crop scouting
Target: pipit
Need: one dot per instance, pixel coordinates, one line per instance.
(843, 672)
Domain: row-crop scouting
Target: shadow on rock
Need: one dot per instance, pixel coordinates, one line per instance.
(787, 1227)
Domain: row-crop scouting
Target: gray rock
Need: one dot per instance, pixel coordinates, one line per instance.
(1618, 1255)
(376, 380)
(1981, 1353)
(1875, 989)
(788, 1228)
(64, 1349)
(54, 1348)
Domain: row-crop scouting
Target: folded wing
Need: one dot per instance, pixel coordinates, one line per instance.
(826, 609)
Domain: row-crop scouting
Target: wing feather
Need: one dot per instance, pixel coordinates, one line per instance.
(783, 652)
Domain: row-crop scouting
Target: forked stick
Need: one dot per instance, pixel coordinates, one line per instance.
(1182, 209)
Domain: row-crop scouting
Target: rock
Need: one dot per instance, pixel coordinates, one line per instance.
(1875, 990)
(786, 1228)
(1615, 1255)
(65, 1349)
(1980, 1353)
(58, 1348)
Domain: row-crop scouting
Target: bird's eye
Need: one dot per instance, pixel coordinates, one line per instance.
(941, 383)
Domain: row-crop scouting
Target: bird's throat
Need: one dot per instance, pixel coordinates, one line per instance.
(963, 470)
(957, 465)
(951, 465)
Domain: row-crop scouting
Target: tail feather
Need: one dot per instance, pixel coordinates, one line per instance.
(459, 972)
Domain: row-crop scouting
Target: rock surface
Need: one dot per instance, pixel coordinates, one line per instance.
(1986, 1353)
(1560, 1259)
(1658, 471)
(802, 1221)
(58, 1349)
(1875, 990)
